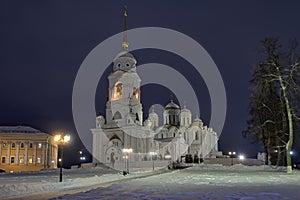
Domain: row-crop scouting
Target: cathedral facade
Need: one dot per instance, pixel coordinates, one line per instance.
(123, 130)
(123, 126)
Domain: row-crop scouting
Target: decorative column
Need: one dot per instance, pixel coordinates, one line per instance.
(17, 153)
(26, 154)
(34, 153)
(8, 153)
(44, 162)
(1, 143)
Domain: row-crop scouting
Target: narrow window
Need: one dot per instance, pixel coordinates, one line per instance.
(12, 160)
(30, 160)
(21, 160)
(3, 159)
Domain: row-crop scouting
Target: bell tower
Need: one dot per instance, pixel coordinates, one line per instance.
(123, 105)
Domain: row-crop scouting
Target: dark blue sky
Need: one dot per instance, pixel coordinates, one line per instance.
(43, 43)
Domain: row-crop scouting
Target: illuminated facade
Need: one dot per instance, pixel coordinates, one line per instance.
(23, 148)
(123, 126)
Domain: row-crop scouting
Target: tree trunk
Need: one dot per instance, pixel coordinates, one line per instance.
(290, 122)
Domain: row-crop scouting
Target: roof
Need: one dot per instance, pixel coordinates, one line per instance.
(18, 129)
(8, 131)
(172, 105)
(124, 54)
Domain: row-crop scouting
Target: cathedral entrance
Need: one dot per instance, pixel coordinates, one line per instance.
(113, 156)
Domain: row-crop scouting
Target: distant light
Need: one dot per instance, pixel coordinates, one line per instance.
(275, 150)
(241, 157)
(233, 153)
(167, 157)
(82, 158)
(127, 150)
(67, 138)
(52, 161)
(59, 159)
(291, 153)
(152, 153)
(229, 152)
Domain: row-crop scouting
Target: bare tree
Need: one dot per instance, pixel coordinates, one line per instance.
(274, 101)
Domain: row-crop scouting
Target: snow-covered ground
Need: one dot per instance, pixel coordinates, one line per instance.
(198, 182)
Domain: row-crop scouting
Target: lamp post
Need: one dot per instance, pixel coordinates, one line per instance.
(152, 153)
(232, 155)
(61, 141)
(127, 153)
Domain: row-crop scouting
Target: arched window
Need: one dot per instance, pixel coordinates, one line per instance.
(136, 93)
(117, 115)
(196, 135)
(117, 92)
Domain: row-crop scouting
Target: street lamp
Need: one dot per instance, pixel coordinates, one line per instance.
(61, 141)
(127, 153)
(232, 155)
(152, 153)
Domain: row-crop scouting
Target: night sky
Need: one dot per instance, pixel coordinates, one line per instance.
(43, 43)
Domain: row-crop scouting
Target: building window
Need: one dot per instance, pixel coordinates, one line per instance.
(3, 159)
(40, 145)
(38, 160)
(21, 160)
(22, 145)
(136, 93)
(196, 136)
(115, 143)
(117, 92)
(12, 160)
(4, 145)
(13, 145)
(30, 145)
(30, 160)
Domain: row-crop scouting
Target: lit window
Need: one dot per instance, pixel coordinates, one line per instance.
(13, 145)
(12, 160)
(3, 159)
(40, 145)
(136, 93)
(38, 160)
(4, 145)
(117, 93)
(30, 160)
(21, 160)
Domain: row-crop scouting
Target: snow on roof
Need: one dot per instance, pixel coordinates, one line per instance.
(21, 131)
(18, 129)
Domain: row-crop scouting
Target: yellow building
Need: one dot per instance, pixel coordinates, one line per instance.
(23, 148)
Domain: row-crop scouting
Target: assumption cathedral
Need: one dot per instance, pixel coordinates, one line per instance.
(123, 127)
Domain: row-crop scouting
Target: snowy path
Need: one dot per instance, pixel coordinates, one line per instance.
(44, 185)
(204, 182)
(199, 182)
